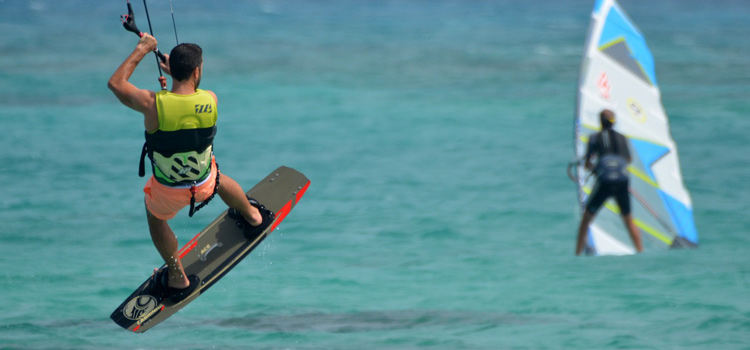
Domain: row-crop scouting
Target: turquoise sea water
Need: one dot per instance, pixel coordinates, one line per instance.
(436, 135)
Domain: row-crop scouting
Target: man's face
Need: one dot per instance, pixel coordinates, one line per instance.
(200, 75)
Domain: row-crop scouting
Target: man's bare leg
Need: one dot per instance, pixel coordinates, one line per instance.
(231, 193)
(166, 243)
(583, 230)
(635, 235)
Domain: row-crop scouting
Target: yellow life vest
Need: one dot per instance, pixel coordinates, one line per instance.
(181, 148)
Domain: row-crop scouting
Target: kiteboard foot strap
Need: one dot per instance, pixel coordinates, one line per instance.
(250, 230)
(175, 295)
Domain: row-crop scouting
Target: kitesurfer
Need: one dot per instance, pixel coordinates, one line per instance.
(180, 126)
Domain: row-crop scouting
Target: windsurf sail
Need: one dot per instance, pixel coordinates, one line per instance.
(618, 73)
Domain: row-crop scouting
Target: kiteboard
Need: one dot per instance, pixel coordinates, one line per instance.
(214, 251)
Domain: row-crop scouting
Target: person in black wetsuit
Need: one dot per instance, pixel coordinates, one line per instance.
(611, 151)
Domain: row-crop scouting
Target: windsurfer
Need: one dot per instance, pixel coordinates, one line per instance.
(611, 151)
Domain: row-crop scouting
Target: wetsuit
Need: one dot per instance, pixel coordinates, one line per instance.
(610, 148)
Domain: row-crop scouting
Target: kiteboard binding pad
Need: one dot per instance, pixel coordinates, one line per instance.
(250, 230)
(161, 289)
(213, 252)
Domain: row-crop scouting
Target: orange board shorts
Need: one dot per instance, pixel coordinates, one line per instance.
(164, 202)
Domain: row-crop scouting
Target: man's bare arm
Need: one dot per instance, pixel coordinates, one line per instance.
(138, 99)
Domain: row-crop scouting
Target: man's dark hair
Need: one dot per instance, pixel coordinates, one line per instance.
(183, 60)
(607, 119)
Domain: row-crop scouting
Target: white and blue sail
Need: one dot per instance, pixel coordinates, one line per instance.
(618, 73)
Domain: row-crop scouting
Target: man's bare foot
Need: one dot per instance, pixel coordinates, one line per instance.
(175, 282)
